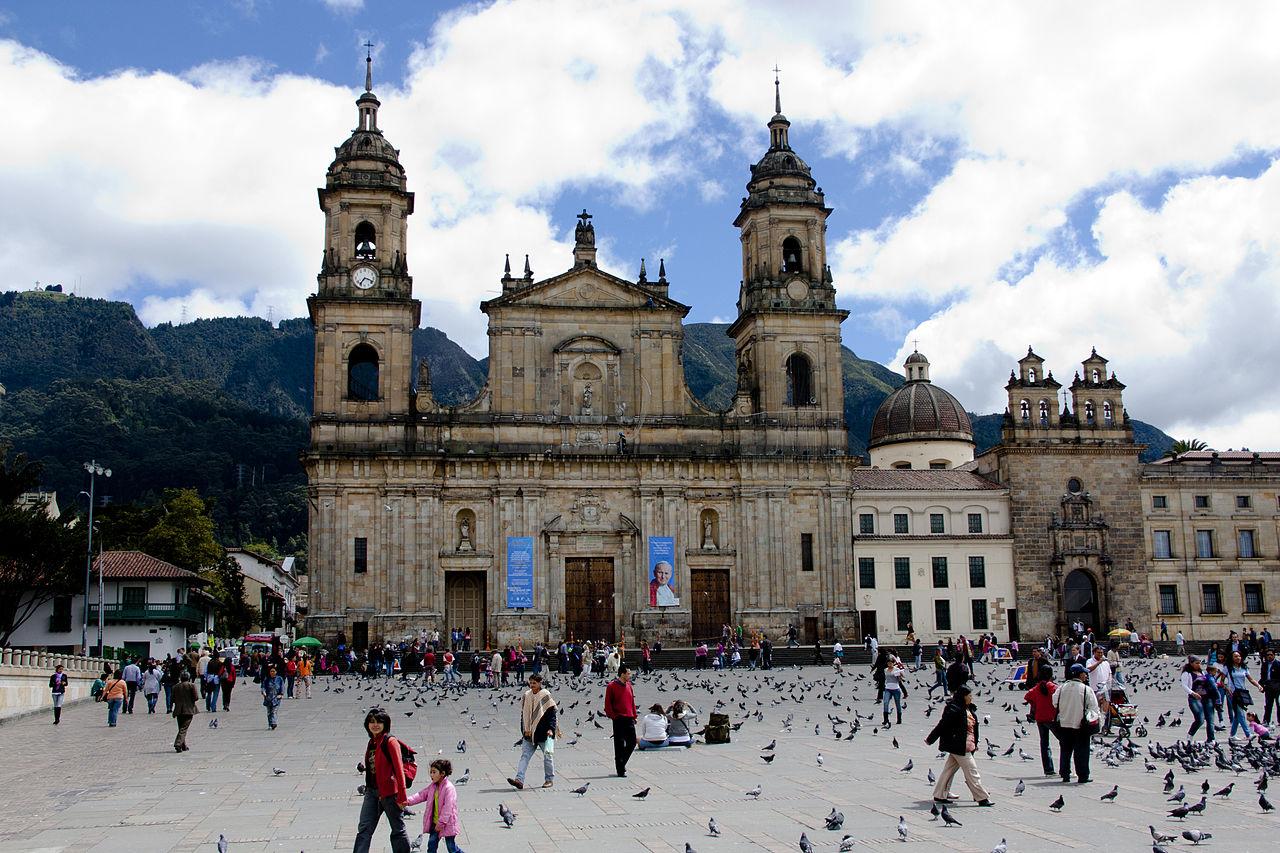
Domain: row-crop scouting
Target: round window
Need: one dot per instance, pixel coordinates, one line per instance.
(1074, 487)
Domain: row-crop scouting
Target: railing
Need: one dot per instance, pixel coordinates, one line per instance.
(46, 661)
(149, 613)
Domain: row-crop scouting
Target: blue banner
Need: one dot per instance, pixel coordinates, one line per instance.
(662, 572)
(519, 571)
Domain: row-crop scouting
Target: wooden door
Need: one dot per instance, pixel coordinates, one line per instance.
(465, 604)
(810, 630)
(588, 598)
(710, 590)
(359, 635)
(868, 620)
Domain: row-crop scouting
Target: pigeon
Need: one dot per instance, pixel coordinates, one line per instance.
(1265, 803)
(768, 759)
(1157, 838)
(1178, 797)
(846, 844)
(688, 848)
(902, 828)
(910, 765)
(933, 810)
(1057, 804)
(582, 789)
(835, 820)
(464, 778)
(641, 795)
(931, 777)
(507, 815)
(416, 844)
(1180, 812)
(1002, 847)
(213, 724)
(277, 771)
(1195, 836)
(222, 843)
(773, 743)
(712, 829)
(1156, 848)
(1110, 796)
(754, 793)
(819, 759)
(1225, 792)
(462, 745)
(948, 820)
(1019, 788)
(806, 846)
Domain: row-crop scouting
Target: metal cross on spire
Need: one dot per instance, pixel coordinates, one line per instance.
(584, 216)
(777, 90)
(368, 66)
(915, 344)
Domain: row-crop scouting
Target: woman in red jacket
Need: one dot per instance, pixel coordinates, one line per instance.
(1040, 698)
(384, 785)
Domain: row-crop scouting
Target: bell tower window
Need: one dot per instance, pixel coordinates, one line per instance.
(1095, 376)
(799, 381)
(366, 242)
(1024, 411)
(791, 254)
(1044, 413)
(362, 374)
(1031, 376)
(1108, 414)
(1089, 413)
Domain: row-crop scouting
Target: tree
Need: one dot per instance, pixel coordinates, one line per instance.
(234, 615)
(39, 556)
(183, 535)
(1184, 445)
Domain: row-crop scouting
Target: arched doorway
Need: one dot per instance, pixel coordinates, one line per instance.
(1080, 600)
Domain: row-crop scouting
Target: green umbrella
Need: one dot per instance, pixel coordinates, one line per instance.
(307, 642)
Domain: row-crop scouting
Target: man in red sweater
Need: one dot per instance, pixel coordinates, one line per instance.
(620, 706)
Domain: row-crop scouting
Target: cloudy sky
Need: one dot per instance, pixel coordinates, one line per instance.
(1003, 174)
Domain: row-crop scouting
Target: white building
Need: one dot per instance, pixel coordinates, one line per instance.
(151, 608)
(270, 586)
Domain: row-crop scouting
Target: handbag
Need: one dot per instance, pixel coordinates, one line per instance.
(1243, 698)
(1091, 723)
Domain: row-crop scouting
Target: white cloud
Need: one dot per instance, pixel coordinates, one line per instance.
(344, 7)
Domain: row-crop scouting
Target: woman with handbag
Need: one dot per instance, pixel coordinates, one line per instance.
(1078, 720)
(1238, 681)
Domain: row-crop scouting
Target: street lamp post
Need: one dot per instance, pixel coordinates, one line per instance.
(94, 470)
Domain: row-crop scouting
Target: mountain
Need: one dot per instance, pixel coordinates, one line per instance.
(222, 405)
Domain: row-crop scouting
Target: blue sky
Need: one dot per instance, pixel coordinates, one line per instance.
(1002, 174)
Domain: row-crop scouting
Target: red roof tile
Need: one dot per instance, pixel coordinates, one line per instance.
(897, 479)
(135, 564)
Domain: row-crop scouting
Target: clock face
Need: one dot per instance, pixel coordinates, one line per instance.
(797, 289)
(364, 277)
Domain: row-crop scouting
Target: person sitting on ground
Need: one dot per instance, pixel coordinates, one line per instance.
(679, 726)
(653, 729)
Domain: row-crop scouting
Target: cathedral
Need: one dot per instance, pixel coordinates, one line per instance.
(586, 493)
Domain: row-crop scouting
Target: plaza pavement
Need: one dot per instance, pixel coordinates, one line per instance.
(80, 786)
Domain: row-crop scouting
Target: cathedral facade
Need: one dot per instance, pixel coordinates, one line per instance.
(586, 493)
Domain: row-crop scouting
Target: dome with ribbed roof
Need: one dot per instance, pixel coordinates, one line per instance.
(920, 411)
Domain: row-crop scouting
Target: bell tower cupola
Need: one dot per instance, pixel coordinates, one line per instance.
(787, 331)
(363, 310)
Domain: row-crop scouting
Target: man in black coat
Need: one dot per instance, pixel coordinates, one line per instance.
(1269, 678)
(957, 735)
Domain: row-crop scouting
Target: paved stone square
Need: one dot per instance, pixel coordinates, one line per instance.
(81, 786)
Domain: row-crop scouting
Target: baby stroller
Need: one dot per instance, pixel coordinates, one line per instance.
(1120, 711)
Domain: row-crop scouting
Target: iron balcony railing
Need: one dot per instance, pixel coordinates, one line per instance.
(149, 613)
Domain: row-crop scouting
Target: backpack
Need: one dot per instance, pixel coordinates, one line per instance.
(406, 758)
(718, 729)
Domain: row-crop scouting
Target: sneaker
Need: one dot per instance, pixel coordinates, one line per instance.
(548, 784)
(985, 803)
(516, 783)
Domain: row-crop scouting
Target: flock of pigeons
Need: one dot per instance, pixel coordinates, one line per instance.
(840, 702)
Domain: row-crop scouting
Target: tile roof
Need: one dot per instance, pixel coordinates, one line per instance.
(135, 564)
(896, 479)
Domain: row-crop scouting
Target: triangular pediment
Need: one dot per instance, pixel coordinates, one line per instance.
(586, 287)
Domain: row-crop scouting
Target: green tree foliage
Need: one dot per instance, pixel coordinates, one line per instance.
(1184, 445)
(40, 557)
(183, 534)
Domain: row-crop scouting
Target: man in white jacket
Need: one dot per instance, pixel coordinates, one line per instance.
(1077, 710)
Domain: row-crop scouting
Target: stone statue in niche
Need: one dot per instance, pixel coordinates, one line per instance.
(424, 376)
(586, 399)
(464, 535)
(708, 538)
(555, 408)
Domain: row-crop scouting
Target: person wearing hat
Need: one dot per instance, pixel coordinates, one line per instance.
(957, 735)
(1076, 704)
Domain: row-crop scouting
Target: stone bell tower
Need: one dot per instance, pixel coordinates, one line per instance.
(363, 311)
(787, 333)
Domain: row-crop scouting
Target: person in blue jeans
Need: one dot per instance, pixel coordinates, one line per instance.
(272, 689)
(1239, 700)
(1200, 691)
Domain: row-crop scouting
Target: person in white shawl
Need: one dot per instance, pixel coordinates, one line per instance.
(538, 731)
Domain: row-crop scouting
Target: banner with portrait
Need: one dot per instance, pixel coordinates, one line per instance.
(662, 572)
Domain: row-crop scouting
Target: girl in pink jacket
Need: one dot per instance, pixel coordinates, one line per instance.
(440, 818)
